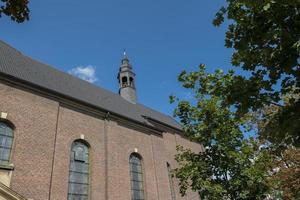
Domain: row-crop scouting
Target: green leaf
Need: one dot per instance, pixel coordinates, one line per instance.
(267, 6)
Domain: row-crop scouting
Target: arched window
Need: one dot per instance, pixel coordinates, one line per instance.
(171, 183)
(79, 172)
(131, 83)
(124, 81)
(136, 174)
(6, 140)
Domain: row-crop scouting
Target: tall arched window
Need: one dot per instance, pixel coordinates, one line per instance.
(79, 172)
(6, 140)
(171, 183)
(136, 174)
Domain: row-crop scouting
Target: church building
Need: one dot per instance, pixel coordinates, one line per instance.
(62, 138)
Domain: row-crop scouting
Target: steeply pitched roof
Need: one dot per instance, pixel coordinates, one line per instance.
(19, 66)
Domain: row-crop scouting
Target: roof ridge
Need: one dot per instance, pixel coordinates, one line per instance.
(55, 80)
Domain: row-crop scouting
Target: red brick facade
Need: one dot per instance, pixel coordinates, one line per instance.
(45, 130)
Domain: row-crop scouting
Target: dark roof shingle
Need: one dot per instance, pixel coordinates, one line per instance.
(19, 66)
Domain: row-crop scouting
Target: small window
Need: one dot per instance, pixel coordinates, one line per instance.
(136, 174)
(79, 172)
(171, 183)
(131, 82)
(124, 81)
(6, 140)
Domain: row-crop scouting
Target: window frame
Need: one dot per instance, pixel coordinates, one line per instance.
(72, 158)
(8, 124)
(142, 173)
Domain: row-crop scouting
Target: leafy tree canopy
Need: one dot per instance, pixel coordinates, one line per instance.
(287, 174)
(231, 167)
(17, 10)
(265, 36)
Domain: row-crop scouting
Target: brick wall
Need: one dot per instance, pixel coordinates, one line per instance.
(45, 131)
(35, 120)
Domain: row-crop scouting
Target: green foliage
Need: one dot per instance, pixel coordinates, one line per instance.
(231, 167)
(17, 10)
(265, 36)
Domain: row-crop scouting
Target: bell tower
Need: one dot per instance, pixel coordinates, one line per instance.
(126, 79)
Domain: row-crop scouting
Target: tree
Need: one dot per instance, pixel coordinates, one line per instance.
(285, 157)
(17, 10)
(265, 36)
(231, 167)
(287, 166)
(271, 119)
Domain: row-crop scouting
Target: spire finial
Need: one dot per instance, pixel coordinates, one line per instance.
(124, 53)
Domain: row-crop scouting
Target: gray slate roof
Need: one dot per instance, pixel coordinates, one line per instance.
(19, 66)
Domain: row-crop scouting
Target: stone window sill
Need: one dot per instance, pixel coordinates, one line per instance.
(7, 167)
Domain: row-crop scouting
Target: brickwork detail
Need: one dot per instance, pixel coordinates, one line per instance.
(44, 132)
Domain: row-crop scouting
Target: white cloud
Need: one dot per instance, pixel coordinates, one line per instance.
(87, 73)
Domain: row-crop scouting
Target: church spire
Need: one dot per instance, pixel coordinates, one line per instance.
(126, 79)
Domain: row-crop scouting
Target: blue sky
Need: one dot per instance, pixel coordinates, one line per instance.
(161, 37)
